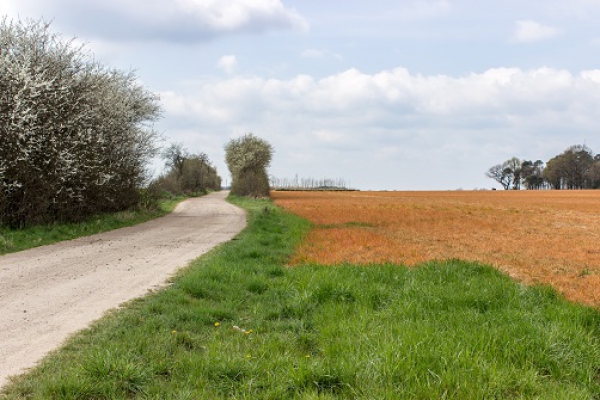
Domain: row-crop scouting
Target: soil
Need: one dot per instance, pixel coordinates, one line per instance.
(50, 292)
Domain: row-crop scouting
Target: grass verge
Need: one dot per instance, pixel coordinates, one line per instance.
(238, 324)
(12, 240)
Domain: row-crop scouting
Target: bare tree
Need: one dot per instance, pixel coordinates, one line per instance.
(507, 174)
(174, 156)
(500, 174)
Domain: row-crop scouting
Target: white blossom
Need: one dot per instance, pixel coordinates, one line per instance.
(74, 135)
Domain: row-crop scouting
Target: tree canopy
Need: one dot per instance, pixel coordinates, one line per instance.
(187, 173)
(575, 168)
(247, 159)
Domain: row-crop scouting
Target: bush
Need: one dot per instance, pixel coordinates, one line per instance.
(247, 159)
(75, 134)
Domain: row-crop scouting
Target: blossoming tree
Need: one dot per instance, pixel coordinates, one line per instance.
(75, 136)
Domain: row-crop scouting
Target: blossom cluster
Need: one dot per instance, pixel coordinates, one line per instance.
(75, 135)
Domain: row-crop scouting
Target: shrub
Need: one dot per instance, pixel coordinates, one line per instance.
(247, 159)
(75, 134)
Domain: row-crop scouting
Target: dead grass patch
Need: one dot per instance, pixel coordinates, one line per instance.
(548, 237)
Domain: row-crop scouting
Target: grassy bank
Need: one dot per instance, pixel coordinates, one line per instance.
(239, 324)
(16, 240)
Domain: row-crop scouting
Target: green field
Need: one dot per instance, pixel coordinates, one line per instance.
(239, 324)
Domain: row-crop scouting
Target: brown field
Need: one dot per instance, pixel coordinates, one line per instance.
(549, 237)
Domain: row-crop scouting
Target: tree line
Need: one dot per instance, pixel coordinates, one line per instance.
(575, 168)
(309, 183)
(187, 173)
(247, 159)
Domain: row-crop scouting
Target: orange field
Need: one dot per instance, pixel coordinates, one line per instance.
(550, 237)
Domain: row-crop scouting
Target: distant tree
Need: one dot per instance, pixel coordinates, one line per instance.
(507, 174)
(531, 173)
(554, 173)
(513, 165)
(575, 168)
(187, 173)
(500, 175)
(594, 173)
(174, 157)
(570, 169)
(247, 159)
(199, 175)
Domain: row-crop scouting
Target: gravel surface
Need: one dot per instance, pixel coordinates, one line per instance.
(50, 292)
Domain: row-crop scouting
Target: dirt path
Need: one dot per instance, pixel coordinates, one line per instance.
(50, 292)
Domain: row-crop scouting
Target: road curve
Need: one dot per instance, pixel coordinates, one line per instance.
(50, 292)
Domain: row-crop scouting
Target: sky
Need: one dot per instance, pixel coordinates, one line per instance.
(384, 94)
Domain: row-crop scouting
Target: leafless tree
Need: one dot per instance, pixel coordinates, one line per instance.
(501, 174)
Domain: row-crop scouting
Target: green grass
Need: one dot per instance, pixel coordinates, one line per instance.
(16, 240)
(446, 330)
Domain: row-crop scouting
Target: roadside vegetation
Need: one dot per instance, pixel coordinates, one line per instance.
(247, 158)
(13, 240)
(76, 135)
(186, 174)
(239, 323)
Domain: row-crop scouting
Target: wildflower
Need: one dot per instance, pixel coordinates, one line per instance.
(217, 323)
(247, 332)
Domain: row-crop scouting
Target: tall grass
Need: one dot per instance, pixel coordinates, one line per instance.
(239, 324)
(12, 240)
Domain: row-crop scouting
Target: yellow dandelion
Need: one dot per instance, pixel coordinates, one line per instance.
(217, 323)
(174, 332)
(248, 331)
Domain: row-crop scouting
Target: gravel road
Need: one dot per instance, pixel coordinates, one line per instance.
(50, 292)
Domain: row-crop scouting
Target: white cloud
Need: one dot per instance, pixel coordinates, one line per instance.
(532, 31)
(173, 20)
(398, 95)
(393, 117)
(227, 63)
